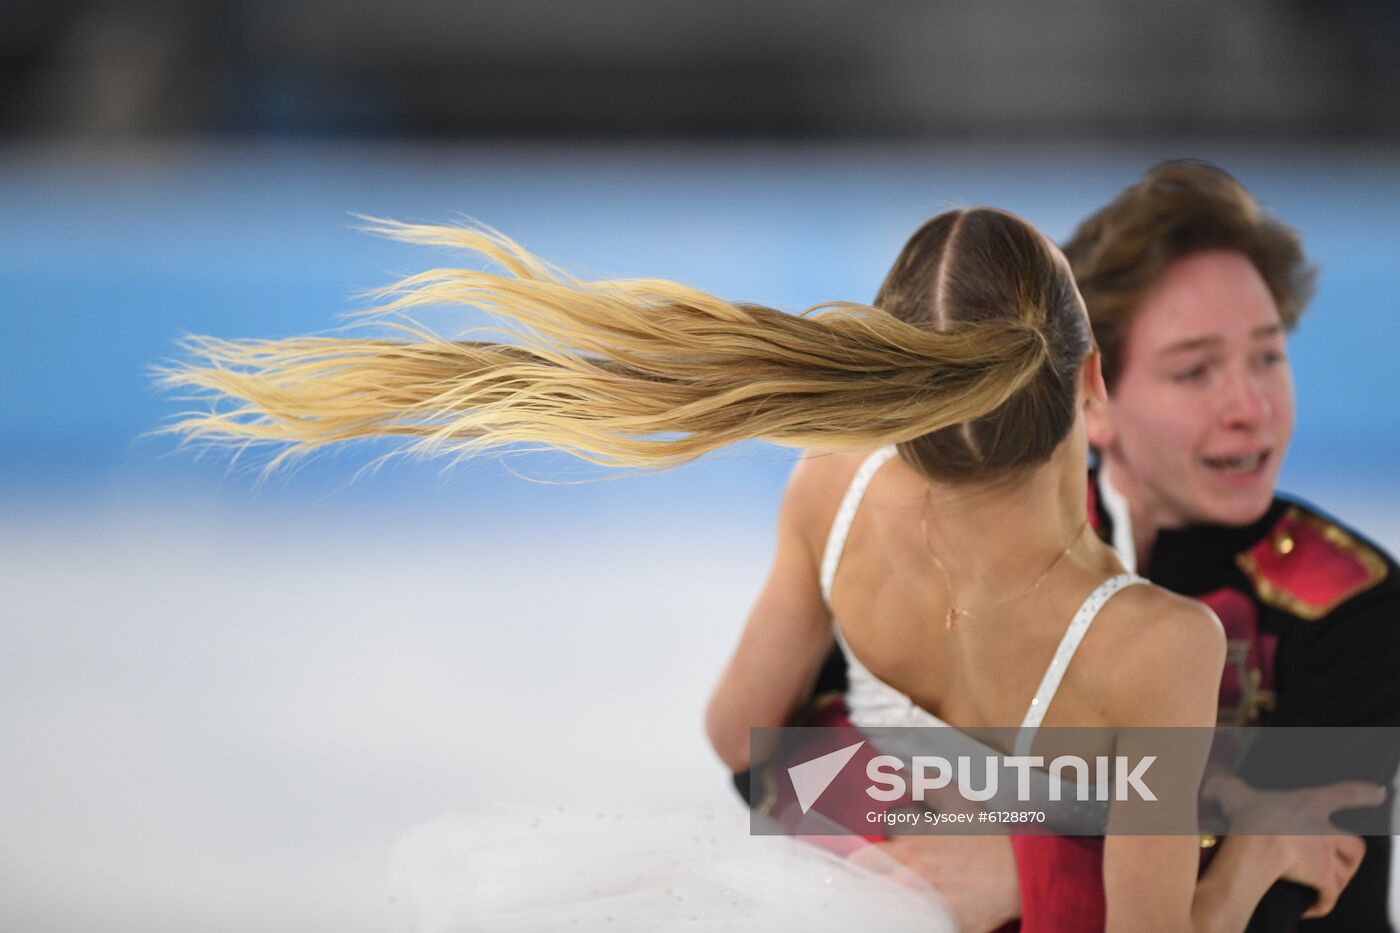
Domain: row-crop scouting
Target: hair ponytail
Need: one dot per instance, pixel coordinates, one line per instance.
(638, 373)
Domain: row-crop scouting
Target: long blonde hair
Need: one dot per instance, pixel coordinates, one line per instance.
(636, 373)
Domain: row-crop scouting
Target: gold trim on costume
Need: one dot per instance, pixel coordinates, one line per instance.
(1272, 594)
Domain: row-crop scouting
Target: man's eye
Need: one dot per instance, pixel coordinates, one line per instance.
(1194, 374)
(1271, 358)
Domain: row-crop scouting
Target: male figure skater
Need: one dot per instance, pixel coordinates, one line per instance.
(1192, 289)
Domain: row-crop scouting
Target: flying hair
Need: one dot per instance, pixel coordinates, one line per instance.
(635, 373)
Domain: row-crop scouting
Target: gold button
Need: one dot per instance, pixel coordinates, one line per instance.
(1208, 840)
(1284, 543)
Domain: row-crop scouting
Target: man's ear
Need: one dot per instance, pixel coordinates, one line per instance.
(1097, 418)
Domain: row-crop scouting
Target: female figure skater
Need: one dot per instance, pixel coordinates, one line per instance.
(942, 524)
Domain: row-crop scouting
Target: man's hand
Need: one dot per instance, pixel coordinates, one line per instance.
(1325, 861)
(976, 875)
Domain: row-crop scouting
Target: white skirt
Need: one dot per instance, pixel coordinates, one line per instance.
(607, 870)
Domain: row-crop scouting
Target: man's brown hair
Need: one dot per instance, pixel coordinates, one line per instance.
(1176, 210)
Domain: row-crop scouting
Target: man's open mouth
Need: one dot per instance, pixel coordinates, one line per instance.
(1244, 463)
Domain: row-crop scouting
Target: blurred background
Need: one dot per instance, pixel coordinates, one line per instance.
(222, 699)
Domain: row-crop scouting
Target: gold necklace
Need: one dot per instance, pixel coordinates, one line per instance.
(955, 611)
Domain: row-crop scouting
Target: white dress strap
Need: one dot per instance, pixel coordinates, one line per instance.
(1069, 644)
(846, 514)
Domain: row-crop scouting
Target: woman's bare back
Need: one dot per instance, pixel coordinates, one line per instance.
(889, 600)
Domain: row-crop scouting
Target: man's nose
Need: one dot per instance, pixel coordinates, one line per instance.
(1246, 404)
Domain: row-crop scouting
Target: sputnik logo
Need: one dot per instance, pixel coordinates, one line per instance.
(811, 778)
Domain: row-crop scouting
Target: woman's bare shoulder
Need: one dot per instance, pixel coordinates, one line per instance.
(1148, 609)
(1147, 625)
(1166, 652)
(815, 488)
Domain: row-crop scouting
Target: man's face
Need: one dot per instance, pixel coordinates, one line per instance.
(1196, 426)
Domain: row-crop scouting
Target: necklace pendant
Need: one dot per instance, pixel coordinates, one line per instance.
(951, 622)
